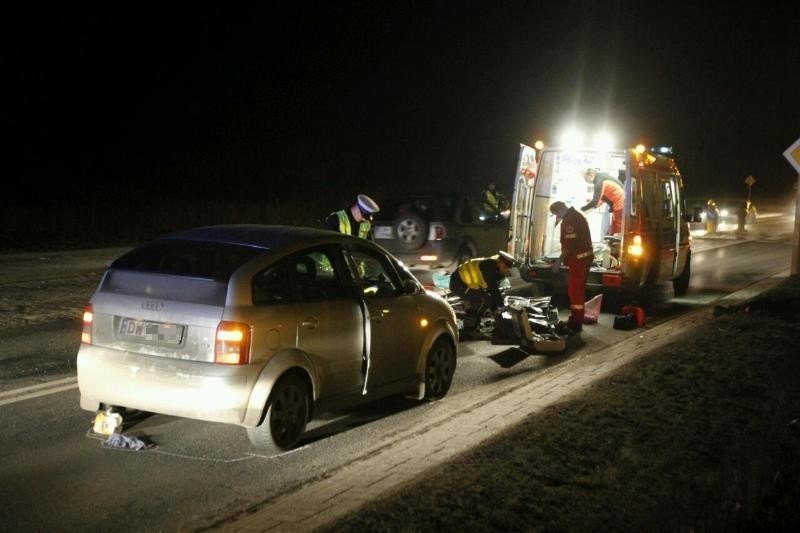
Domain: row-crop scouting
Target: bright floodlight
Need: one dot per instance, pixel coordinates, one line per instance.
(572, 139)
(604, 141)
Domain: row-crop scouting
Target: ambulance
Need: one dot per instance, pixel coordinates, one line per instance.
(653, 246)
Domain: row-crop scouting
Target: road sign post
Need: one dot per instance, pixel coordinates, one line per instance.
(749, 180)
(792, 155)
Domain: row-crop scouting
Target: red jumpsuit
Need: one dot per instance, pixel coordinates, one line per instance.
(577, 254)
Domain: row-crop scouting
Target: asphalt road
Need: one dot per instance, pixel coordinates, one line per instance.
(58, 476)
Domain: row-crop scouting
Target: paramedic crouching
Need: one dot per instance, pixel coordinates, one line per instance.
(477, 282)
(577, 253)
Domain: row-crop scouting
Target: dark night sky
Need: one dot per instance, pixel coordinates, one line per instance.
(132, 100)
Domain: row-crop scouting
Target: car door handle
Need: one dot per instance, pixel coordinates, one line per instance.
(310, 323)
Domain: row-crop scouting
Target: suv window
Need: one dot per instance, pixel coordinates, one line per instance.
(429, 207)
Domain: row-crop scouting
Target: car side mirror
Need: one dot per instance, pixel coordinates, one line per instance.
(410, 286)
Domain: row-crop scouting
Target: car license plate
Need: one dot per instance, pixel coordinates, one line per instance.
(383, 232)
(150, 332)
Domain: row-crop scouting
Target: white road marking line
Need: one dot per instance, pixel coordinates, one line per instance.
(39, 386)
(53, 387)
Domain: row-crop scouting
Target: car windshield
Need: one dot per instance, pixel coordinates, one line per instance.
(187, 258)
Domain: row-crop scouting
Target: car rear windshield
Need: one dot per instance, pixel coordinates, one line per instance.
(187, 258)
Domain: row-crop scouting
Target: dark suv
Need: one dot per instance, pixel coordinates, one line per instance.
(439, 231)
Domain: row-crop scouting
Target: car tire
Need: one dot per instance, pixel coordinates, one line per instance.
(286, 417)
(440, 365)
(411, 230)
(681, 284)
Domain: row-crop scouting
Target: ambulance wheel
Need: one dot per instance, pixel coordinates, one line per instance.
(647, 293)
(440, 365)
(681, 284)
(287, 413)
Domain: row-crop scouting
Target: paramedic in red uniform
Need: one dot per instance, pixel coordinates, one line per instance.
(609, 190)
(577, 254)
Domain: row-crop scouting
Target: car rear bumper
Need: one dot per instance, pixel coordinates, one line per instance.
(190, 389)
(445, 252)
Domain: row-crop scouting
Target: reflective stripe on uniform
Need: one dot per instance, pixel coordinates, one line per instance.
(344, 225)
(344, 222)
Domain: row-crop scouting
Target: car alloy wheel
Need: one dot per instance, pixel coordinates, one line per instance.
(440, 366)
(286, 416)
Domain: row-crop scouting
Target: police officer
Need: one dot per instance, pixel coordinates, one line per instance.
(577, 253)
(354, 220)
(494, 202)
(477, 282)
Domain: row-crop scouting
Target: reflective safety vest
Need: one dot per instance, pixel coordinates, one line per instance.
(470, 273)
(344, 225)
(492, 200)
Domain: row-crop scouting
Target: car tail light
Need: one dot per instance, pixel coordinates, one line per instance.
(636, 249)
(438, 233)
(233, 343)
(88, 316)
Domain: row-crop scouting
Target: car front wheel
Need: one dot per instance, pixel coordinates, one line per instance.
(287, 414)
(440, 365)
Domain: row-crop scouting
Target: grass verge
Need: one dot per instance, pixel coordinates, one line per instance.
(702, 435)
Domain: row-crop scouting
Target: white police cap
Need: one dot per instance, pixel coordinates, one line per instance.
(367, 205)
(507, 258)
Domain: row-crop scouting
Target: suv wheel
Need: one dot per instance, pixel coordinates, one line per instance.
(411, 230)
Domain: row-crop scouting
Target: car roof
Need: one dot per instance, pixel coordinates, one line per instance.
(268, 237)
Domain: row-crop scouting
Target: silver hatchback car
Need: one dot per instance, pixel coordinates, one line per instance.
(262, 327)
